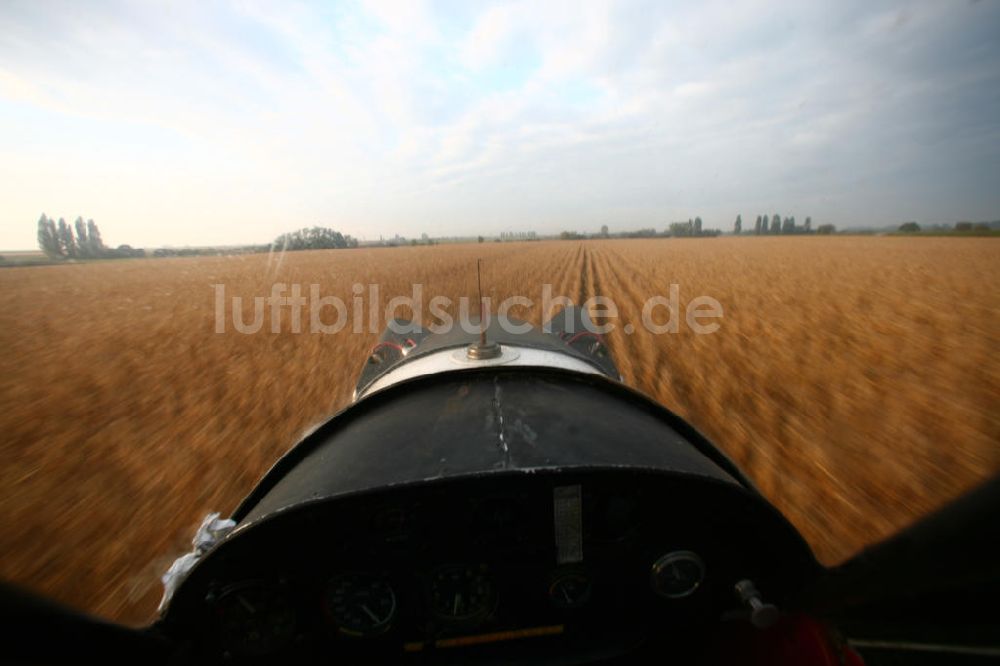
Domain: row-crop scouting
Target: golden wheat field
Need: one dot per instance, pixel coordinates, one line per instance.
(856, 380)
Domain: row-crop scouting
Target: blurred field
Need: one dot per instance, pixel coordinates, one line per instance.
(856, 380)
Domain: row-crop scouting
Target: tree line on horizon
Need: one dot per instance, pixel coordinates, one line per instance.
(781, 226)
(693, 227)
(81, 240)
(314, 238)
(959, 228)
(61, 241)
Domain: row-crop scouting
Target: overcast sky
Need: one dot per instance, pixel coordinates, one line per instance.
(219, 123)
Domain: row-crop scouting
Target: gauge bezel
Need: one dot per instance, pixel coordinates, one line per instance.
(237, 644)
(469, 618)
(671, 558)
(561, 575)
(376, 630)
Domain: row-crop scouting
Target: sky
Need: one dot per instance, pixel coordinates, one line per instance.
(204, 123)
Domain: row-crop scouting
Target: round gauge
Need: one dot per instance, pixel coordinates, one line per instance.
(570, 590)
(677, 574)
(361, 605)
(462, 594)
(255, 619)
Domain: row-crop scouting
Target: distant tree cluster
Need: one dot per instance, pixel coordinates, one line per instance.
(648, 232)
(58, 241)
(966, 227)
(518, 235)
(690, 228)
(959, 228)
(775, 225)
(693, 227)
(316, 238)
(229, 251)
(681, 229)
(81, 240)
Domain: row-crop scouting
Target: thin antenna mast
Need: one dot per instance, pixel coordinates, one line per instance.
(482, 350)
(482, 304)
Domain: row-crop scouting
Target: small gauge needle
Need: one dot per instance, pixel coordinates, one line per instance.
(246, 604)
(458, 602)
(566, 594)
(370, 614)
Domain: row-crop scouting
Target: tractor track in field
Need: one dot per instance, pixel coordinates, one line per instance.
(643, 357)
(567, 280)
(584, 287)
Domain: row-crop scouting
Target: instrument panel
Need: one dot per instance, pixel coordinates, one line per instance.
(470, 567)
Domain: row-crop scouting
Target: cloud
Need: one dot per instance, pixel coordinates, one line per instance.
(693, 89)
(377, 117)
(483, 45)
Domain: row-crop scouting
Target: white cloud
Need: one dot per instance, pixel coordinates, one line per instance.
(370, 116)
(694, 89)
(491, 33)
(405, 19)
